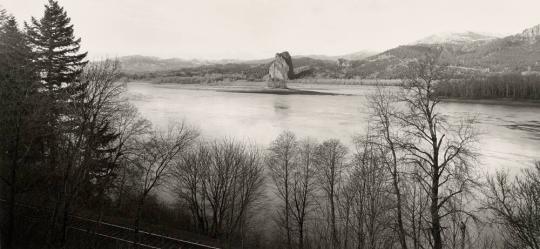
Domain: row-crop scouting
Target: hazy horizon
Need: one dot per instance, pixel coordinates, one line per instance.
(256, 29)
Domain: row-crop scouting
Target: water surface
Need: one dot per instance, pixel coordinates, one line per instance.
(511, 134)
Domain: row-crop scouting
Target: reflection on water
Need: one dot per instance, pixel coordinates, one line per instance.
(281, 106)
(510, 138)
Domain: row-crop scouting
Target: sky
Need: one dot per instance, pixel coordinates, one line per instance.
(254, 29)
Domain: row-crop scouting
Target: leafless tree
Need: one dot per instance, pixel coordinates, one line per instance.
(130, 127)
(154, 157)
(416, 211)
(188, 175)
(385, 125)
(221, 183)
(515, 206)
(465, 229)
(303, 188)
(442, 150)
(331, 164)
(281, 160)
(350, 209)
(371, 203)
(87, 138)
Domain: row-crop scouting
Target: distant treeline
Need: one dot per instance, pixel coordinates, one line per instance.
(351, 82)
(514, 86)
(204, 74)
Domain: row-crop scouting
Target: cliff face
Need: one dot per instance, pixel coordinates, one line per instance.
(280, 70)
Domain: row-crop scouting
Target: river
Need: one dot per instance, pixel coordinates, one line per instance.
(510, 134)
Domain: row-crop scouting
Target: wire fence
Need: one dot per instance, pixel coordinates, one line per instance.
(89, 233)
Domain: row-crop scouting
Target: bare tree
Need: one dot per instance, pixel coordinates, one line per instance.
(188, 175)
(112, 184)
(221, 183)
(281, 160)
(371, 203)
(153, 159)
(384, 123)
(87, 139)
(416, 207)
(303, 188)
(464, 228)
(330, 163)
(130, 128)
(515, 206)
(441, 150)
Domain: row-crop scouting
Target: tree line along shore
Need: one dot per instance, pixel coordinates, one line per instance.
(515, 86)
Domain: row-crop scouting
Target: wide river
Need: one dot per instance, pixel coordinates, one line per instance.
(510, 134)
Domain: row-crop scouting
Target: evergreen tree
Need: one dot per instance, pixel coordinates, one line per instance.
(19, 117)
(60, 64)
(3, 17)
(55, 47)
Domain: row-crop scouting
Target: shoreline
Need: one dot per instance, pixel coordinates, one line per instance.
(260, 88)
(495, 101)
(278, 91)
(247, 87)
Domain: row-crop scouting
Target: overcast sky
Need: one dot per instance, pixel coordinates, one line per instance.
(250, 29)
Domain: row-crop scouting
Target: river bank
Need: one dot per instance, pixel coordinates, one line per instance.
(497, 101)
(296, 88)
(254, 88)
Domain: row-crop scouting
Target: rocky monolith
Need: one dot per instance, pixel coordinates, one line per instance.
(280, 70)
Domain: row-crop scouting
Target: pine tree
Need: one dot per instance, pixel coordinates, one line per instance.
(60, 64)
(55, 47)
(19, 116)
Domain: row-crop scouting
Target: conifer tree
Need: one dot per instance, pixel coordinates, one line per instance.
(19, 117)
(55, 47)
(60, 64)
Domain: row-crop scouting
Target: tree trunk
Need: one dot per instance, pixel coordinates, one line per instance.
(98, 221)
(335, 243)
(287, 207)
(300, 235)
(52, 225)
(395, 181)
(137, 223)
(346, 232)
(434, 210)
(65, 221)
(11, 205)
(402, 239)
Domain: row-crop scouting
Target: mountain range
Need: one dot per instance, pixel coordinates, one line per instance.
(469, 52)
(142, 64)
(457, 38)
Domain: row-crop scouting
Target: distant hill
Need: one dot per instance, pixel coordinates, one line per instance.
(468, 53)
(456, 38)
(360, 55)
(139, 63)
(516, 53)
(352, 56)
(146, 64)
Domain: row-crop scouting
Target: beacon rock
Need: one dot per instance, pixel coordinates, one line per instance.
(280, 70)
